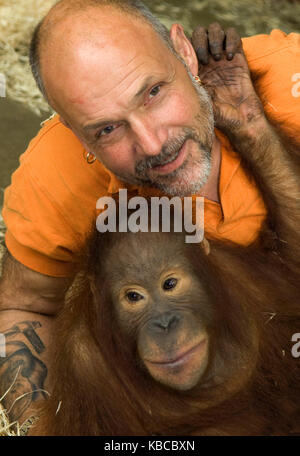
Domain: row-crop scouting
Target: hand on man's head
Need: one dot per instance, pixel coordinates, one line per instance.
(215, 42)
(224, 72)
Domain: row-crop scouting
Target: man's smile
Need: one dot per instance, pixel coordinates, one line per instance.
(173, 163)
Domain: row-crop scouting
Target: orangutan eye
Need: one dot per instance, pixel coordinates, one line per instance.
(134, 296)
(169, 284)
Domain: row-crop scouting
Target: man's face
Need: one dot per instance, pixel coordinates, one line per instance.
(132, 103)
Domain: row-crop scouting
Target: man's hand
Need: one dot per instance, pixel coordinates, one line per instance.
(227, 79)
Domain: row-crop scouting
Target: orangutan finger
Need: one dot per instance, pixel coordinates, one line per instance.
(200, 44)
(216, 37)
(233, 43)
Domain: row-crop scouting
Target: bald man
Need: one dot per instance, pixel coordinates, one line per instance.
(132, 113)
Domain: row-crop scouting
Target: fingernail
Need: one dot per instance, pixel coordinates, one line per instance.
(202, 57)
(217, 56)
(229, 56)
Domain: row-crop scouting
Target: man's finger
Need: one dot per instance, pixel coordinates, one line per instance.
(233, 43)
(216, 37)
(200, 44)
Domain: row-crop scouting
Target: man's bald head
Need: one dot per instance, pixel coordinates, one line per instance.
(71, 8)
(111, 72)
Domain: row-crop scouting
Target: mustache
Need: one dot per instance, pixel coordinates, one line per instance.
(169, 152)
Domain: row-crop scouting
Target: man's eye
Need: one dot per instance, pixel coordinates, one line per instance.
(133, 296)
(106, 131)
(155, 91)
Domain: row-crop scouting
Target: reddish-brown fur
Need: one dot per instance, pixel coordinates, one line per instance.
(103, 391)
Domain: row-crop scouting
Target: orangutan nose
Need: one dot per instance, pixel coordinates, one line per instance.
(165, 322)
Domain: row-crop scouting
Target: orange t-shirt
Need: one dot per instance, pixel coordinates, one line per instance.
(50, 205)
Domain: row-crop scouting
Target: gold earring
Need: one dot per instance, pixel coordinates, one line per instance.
(197, 79)
(89, 157)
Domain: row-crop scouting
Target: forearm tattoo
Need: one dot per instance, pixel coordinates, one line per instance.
(22, 373)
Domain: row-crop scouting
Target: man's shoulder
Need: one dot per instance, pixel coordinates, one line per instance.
(55, 160)
(54, 170)
(51, 202)
(52, 139)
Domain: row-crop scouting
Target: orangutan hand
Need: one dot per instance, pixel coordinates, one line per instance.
(215, 42)
(227, 80)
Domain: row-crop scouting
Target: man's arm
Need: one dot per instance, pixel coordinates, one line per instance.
(29, 302)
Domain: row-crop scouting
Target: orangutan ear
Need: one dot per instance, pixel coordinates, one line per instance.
(205, 246)
(184, 47)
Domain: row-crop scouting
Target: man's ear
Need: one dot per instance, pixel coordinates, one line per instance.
(184, 47)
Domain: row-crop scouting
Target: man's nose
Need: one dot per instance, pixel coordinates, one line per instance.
(148, 137)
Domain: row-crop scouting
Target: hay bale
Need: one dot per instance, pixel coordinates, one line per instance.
(6, 428)
(250, 17)
(17, 21)
(14, 429)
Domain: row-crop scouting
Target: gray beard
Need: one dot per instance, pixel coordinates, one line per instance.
(189, 178)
